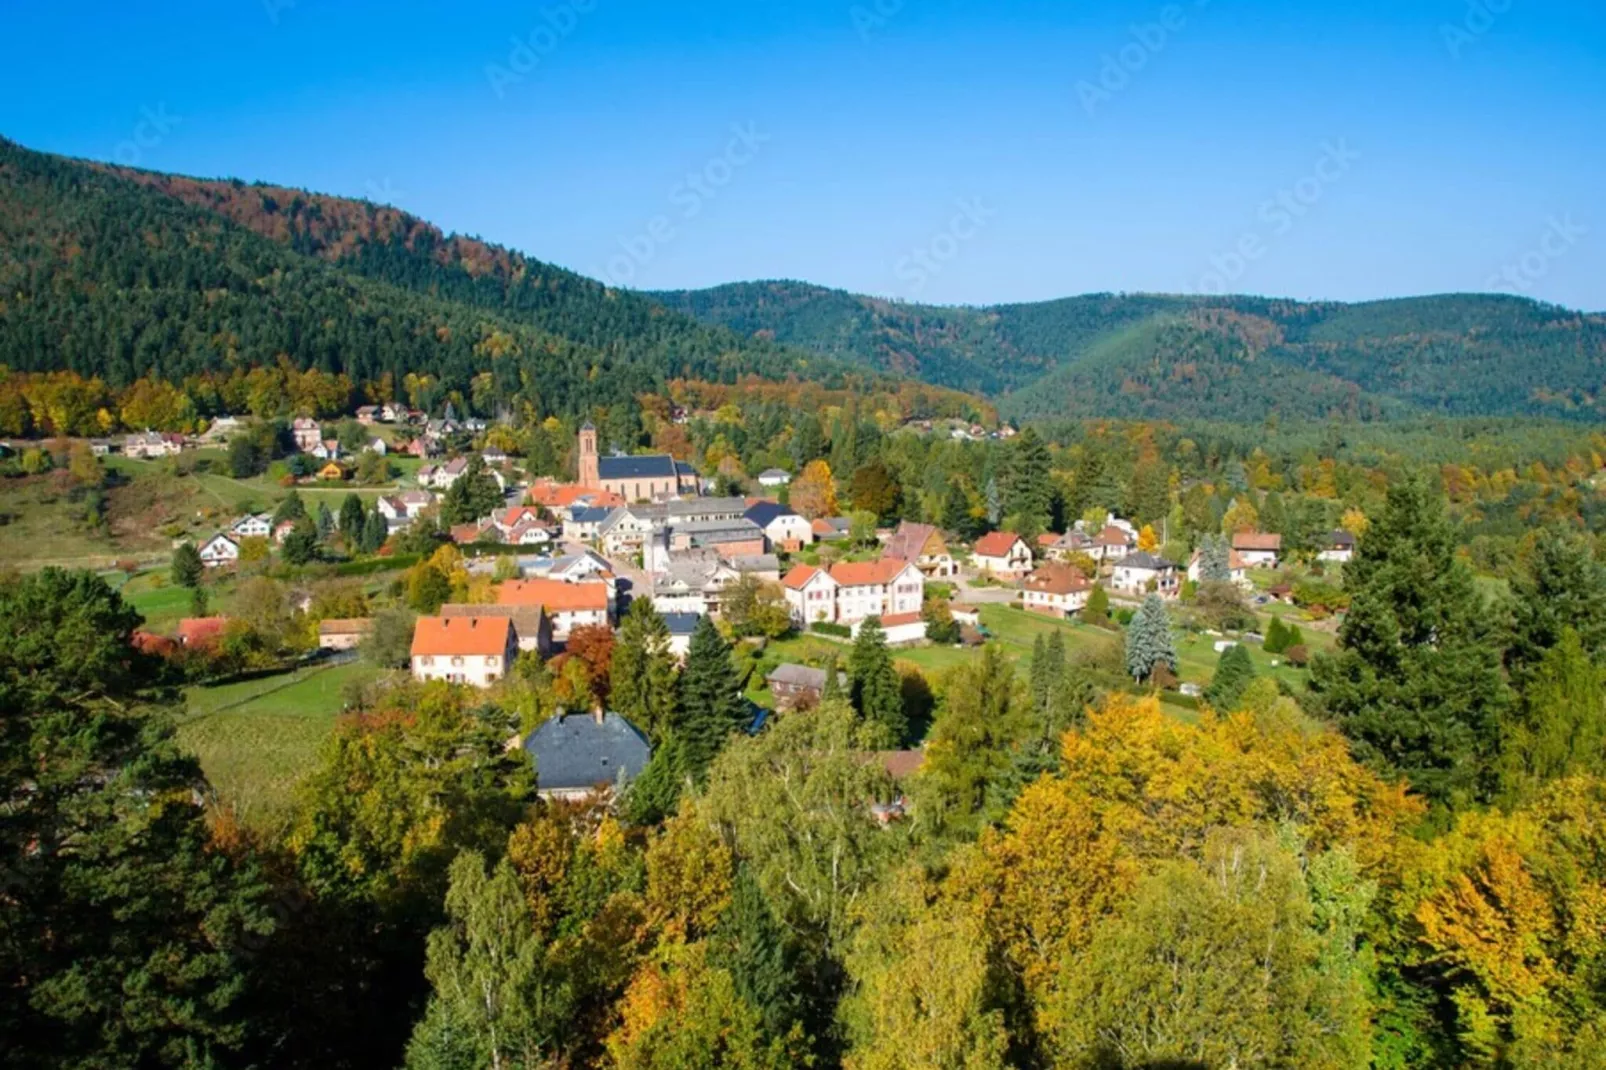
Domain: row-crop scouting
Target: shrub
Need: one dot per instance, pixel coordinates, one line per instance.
(827, 628)
(1297, 655)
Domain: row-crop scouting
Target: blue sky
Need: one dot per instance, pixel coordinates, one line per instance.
(955, 151)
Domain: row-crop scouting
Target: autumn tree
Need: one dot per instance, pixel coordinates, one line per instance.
(876, 490)
(813, 492)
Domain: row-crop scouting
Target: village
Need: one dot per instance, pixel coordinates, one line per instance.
(547, 560)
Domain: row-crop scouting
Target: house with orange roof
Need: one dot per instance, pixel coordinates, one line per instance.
(201, 632)
(1258, 549)
(568, 605)
(1002, 554)
(850, 591)
(1056, 589)
(464, 650)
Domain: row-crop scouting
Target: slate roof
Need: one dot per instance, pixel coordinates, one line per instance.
(763, 513)
(681, 623)
(647, 466)
(577, 751)
(1144, 560)
(803, 676)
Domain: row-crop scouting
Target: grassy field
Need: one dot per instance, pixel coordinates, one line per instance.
(1016, 631)
(257, 739)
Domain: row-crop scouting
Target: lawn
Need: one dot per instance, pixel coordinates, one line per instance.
(161, 603)
(257, 739)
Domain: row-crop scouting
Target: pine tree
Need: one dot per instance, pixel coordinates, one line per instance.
(1277, 639)
(956, 515)
(643, 670)
(1097, 610)
(761, 955)
(1040, 685)
(374, 532)
(301, 545)
(1149, 643)
(1030, 490)
(833, 681)
(292, 508)
(326, 520)
(995, 507)
(1215, 560)
(1416, 682)
(711, 707)
(1563, 586)
(1234, 673)
(877, 691)
(187, 567)
(351, 519)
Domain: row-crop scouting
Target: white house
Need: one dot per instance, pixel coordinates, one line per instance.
(902, 629)
(1340, 547)
(400, 510)
(1143, 573)
(568, 605)
(464, 650)
(218, 551)
(149, 444)
(783, 529)
(307, 433)
(1002, 554)
(774, 477)
(1055, 589)
(851, 591)
(254, 526)
(1258, 549)
(621, 531)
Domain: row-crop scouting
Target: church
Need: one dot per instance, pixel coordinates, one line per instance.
(639, 478)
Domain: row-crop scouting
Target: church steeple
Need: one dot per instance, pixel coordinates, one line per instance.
(590, 475)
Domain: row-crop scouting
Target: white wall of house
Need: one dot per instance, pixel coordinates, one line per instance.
(474, 670)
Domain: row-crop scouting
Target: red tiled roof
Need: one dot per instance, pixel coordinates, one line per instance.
(555, 595)
(901, 763)
(345, 626)
(1256, 540)
(462, 636)
(898, 620)
(562, 495)
(1112, 536)
(799, 576)
(1057, 579)
(996, 543)
(868, 573)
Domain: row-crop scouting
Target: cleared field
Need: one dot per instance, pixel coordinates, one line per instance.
(257, 739)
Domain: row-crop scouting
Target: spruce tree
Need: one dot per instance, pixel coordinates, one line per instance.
(326, 520)
(1040, 683)
(374, 532)
(351, 518)
(643, 670)
(292, 508)
(1559, 727)
(877, 691)
(833, 681)
(1416, 682)
(187, 567)
(1234, 673)
(1215, 561)
(1562, 586)
(1148, 641)
(301, 545)
(1277, 639)
(711, 707)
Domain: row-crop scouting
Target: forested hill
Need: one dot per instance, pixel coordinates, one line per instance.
(124, 275)
(1229, 358)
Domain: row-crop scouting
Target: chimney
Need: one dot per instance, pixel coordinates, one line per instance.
(600, 714)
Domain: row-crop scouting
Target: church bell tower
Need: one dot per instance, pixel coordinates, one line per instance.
(589, 474)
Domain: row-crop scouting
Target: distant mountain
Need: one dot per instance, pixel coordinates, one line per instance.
(1230, 358)
(122, 274)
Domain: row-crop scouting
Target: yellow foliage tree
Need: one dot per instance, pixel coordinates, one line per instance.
(813, 493)
(1148, 541)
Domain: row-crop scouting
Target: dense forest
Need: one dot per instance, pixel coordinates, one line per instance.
(120, 276)
(1146, 356)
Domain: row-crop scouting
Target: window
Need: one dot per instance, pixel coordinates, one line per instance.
(457, 662)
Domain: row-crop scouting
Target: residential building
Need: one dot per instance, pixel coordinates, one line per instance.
(1237, 571)
(1257, 548)
(531, 625)
(332, 472)
(586, 523)
(148, 445)
(851, 591)
(800, 686)
(442, 476)
(681, 628)
(1112, 543)
(580, 567)
(253, 526)
(1339, 546)
(1056, 589)
(692, 585)
(219, 550)
(774, 477)
(475, 650)
(925, 546)
(402, 509)
(831, 528)
(343, 633)
(569, 605)
(307, 434)
(1003, 555)
(201, 632)
(784, 529)
(901, 629)
(580, 755)
(1143, 573)
(634, 478)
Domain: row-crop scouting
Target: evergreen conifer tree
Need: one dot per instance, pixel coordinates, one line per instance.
(877, 692)
(1148, 641)
(711, 707)
(1234, 673)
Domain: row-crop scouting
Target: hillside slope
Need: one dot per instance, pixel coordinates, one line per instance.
(1232, 358)
(122, 274)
